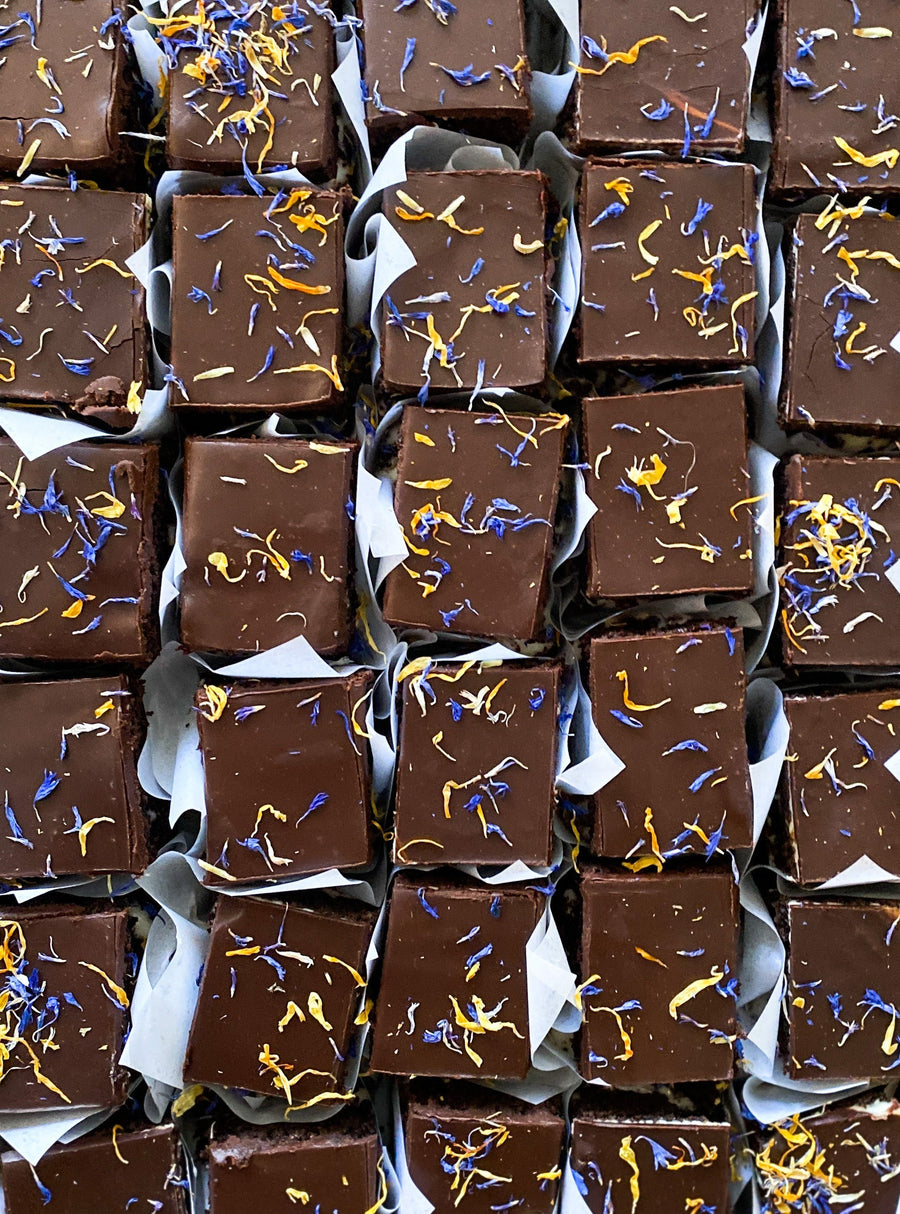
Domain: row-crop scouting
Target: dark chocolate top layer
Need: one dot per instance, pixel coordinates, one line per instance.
(669, 476)
(74, 332)
(843, 988)
(659, 960)
(79, 574)
(665, 78)
(68, 754)
(840, 369)
(267, 541)
(287, 778)
(671, 705)
(279, 996)
(416, 64)
(250, 84)
(668, 271)
(672, 1164)
(839, 799)
(477, 763)
(453, 998)
(483, 1162)
(277, 1172)
(279, 300)
(472, 311)
(110, 1170)
(64, 970)
(839, 529)
(818, 1157)
(476, 496)
(63, 78)
(835, 125)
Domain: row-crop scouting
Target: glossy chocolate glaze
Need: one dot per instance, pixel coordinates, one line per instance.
(279, 511)
(648, 938)
(260, 1021)
(81, 1002)
(687, 74)
(838, 800)
(640, 308)
(66, 85)
(453, 1148)
(603, 1149)
(294, 49)
(284, 770)
(439, 933)
(856, 1149)
(683, 746)
(477, 764)
(79, 740)
(494, 271)
(514, 461)
(492, 96)
(271, 1169)
(835, 78)
(86, 513)
(826, 384)
(101, 1172)
(839, 973)
(668, 468)
(228, 307)
(839, 632)
(70, 297)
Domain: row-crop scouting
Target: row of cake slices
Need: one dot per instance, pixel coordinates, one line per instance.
(463, 1148)
(471, 504)
(671, 281)
(285, 767)
(289, 1000)
(250, 86)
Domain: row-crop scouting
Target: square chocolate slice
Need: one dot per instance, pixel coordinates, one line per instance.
(664, 78)
(324, 1167)
(833, 127)
(839, 799)
(279, 997)
(279, 300)
(75, 331)
(476, 496)
(415, 69)
(267, 543)
(673, 1163)
(102, 1171)
(251, 86)
(64, 974)
(839, 528)
(669, 255)
(671, 705)
(286, 770)
(841, 369)
(825, 1157)
(659, 957)
(68, 753)
(67, 87)
(485, 1151)
(472, 311)
(79, 540)
(843, 988)
(669, 477)
(477, 763)
(453, 1000)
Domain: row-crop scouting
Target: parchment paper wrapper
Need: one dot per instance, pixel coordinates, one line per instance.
(168, 987)
(171, 767)
(376, 254)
